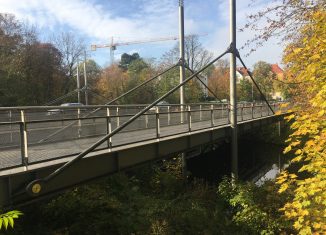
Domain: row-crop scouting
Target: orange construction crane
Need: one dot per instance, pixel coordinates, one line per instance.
(113, 45)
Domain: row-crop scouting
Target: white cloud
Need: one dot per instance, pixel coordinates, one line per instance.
(91, 19)
(151, 19)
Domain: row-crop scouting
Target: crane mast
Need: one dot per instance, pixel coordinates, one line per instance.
(113, 45)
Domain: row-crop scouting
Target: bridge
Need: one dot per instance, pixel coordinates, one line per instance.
(47, 149)
(36, 141)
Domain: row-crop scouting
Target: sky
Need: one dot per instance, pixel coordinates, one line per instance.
(96, 21)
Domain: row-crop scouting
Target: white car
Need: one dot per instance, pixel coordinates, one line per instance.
(162, 105)
(58, 111)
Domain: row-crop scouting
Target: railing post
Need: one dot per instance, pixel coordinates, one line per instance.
(23, 138)
(79, 122)
(261, 110)
(212, 115)
(229, 107)
(252, 110)
(222, 111)
(62, 112)
(242, 112)
(158, 131)
(200, 112)
(10, 120)
(189, 118)
(118, 118)
(146, 120)
(169, 116)
(108, 127)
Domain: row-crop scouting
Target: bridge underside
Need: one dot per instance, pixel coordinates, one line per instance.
(105, 162)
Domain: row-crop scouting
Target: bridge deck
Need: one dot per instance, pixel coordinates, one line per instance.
(41, 146)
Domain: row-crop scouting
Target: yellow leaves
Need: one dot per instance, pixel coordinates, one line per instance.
(298, 152)
(321, 113)
(306, 64)
(316, 225)
(290, 117)
(284, 105)
(287, 149)
(292, 176)
(310, 144)
(296, 159)
(316, 56)
(295, 143)
(283, 187)
(297, 50)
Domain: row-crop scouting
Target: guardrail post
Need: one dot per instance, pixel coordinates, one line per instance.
(212, 115)
(146, 120)
(200, 113)
(222, 110)
(169, 116)
(108, 127)
(261, 110)
(189, 118)
(242, 112)
(79, 122)
(23, 138)
(252, 110)
(62, 113)
(10, 120)
(229, 106)
(118, 118)
(158, 131)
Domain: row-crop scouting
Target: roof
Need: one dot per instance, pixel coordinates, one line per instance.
(243, 71)
(276, 69)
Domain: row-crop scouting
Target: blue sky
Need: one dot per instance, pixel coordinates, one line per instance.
(127, 20)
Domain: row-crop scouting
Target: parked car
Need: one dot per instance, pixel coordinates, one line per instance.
(59, 111)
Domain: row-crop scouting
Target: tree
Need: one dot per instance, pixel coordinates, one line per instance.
(166, 82)
(30, 71)
(245, 90)
(139, 71)
(196, 56)
(262, 74)
(283, 19)
(302, 24)
(71, 49)
(112, 82)
(218, 81)
(308, 141)
(126, 60)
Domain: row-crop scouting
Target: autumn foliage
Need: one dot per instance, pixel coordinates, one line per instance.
(306, 62)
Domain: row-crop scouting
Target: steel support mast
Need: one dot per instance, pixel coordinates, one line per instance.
(233, 94)
(182, 75)
(182, 55)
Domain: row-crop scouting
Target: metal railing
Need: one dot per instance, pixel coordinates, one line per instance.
(22, 128)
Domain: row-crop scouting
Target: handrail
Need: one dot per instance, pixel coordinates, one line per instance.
(202, 116)
(18, 108)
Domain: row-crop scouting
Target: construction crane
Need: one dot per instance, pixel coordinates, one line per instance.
(113, 45)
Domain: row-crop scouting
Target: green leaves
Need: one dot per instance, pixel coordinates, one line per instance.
(7, 219)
